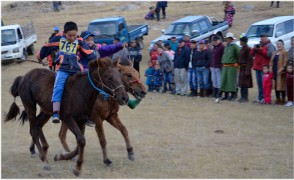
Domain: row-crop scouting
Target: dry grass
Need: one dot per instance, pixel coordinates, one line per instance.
(172, 136)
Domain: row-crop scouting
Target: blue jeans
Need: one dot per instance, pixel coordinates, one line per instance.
(259, 76)
(202, 76)
(167, 79)
(192, 78)
(59, 84)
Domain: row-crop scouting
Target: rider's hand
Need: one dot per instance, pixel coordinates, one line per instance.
(125, 44)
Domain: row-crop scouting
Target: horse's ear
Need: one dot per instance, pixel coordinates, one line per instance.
(100, 63)
(115, 63)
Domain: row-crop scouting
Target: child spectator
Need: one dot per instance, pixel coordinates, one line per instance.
(149, 77)
(267, 84)
(157, 79)
(150, 14)
(289, 82)
(154, 54)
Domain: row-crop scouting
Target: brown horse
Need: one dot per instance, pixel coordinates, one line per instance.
(79, 97)
(108, 110)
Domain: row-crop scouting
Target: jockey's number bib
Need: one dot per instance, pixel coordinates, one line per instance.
(67, 47)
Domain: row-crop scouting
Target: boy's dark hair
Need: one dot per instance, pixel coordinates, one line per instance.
(69, 26)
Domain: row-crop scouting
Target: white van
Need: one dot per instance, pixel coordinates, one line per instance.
(276, 28)
(17, 41)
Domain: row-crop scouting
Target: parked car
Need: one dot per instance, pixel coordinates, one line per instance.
(17, 41)
(106, 29)
(276, 28)
(198, 27)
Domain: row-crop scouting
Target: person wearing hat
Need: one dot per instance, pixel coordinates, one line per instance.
(216, 65)
(262, 54)
(181, 63)
(56, 31)
(135, 55)
(202, 58)
(187, 40)
(229, 70)
(245, 63)
(52, 55)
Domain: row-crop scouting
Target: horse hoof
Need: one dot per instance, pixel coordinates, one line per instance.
(131, 157)
(74, 158)
(108, 163)
(33, 155)
(47, 167)
(56, 158)
(76, 172)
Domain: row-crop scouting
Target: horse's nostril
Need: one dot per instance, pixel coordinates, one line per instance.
(143, 93)
(115, 96)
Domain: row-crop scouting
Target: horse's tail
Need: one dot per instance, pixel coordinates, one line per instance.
(23, 117)
(14, 109)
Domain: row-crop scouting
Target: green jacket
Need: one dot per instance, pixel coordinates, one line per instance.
(231, 54)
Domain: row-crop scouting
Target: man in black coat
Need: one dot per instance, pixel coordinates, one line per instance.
(181, 64)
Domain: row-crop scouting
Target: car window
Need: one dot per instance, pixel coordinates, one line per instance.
(19, 33)
(289, 26)
(195, 26)
(203, 25)
(256, 30)
(280, 29)
(121, 26)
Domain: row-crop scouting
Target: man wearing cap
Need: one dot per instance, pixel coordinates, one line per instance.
(245, 63)
(216, 65)
(262, 54)
(202, 58)
(229, 70)
(181, 63)
(135, 55)
(187, 40)
(192, 73)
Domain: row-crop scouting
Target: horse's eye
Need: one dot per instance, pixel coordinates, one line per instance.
(110, 78)
(129, 76)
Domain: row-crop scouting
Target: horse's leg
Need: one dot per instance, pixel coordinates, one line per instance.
(115, 122)
(45, 145)
(78, 131)
(35, 131)
(43, 120)
(62, 136)
(100, 132)
(32, 149)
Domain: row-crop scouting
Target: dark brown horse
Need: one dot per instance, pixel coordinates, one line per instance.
(108, 110)
(78, 100)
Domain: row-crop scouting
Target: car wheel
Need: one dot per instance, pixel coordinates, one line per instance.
(24, 56)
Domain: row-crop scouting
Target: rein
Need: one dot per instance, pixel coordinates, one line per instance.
(105, 94)
(35, 62)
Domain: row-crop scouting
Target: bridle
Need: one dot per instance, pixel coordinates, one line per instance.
(131, 90)
(101, 91)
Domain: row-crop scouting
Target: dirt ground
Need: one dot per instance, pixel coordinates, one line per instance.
(172, 136)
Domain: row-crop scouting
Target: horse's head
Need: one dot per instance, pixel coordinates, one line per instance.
(105, 75)
(131, 80)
